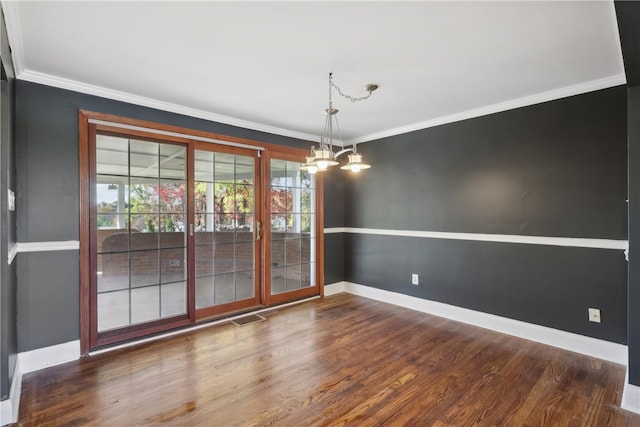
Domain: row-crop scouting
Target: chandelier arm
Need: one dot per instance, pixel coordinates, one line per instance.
(344, 151)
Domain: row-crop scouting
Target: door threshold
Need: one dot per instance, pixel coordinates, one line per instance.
(196, 326)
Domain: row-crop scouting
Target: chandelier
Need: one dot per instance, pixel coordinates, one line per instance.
(324, 156)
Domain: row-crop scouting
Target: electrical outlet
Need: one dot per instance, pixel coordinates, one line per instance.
(415, 279)
(174, 263)
(594, 315)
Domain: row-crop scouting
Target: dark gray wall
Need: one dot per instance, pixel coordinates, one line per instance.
(628, 15)
(555, 169)
(8, 337)
(634, 234)
(48, 188)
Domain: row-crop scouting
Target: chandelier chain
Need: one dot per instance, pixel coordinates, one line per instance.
(349, 97)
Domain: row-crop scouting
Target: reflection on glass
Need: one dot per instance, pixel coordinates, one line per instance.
(140, 207)
(224, 205)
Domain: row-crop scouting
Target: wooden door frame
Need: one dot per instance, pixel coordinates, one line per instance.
(90, 122)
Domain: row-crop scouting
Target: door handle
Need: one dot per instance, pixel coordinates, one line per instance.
(190, 229)
(258, 230)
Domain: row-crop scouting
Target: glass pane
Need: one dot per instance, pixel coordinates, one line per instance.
(112, 155)
(244, 256)
(204, 233)
(204, 166)
(293, 174)
(245, 288)
(244, 170)
(278, 172)
(223, 257)
(278, 280)
(145, 304)
(224, 198)
(204, 197)
(172, 265)
(278, 226)
(173, 232)
(278, 253)
(307, 223)
(204, 292)
(144, 159)
(204, 260)
(112, 240)
(113, 310)
(293, 277)
(244, 199)
(143, 196)
(293, 251)
(224, 168)
(172, 196)
(281, 200)
(305, 249)
(113, 271)
(306, 275)
(105, 221)
(224, 222)
(111, 194)
(307, 180)
(244, 233)
(223, 288)
(307, 201)
(172, 161)
(173, 299)
(143, 232)
(144, 268)
(294, 226)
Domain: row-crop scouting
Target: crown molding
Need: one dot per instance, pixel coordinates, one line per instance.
(590, 86)
(12, 22)
(62, 83)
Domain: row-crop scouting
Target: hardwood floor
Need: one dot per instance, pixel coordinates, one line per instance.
(341, 360)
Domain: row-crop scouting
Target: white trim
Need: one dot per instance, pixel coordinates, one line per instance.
(537, 98)
(593, 347)
(45, 357)
(503, 238)
(178, 134)
(335, 230)
(60, 82)
(630, 396)
(14, 33)
(10, 407)
(13, 251)
(66, 245)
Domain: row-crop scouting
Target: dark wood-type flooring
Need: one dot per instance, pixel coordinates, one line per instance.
(340, 360)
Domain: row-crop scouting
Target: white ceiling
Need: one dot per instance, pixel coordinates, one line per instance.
(264, 65)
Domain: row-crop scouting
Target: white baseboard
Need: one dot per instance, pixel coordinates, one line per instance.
(593, 347)
(49, 356)
(334, 288)
(9, 408)
(630, 396)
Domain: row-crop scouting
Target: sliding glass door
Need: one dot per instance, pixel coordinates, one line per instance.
(139, 233)
(226, 231)
(177, 229)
